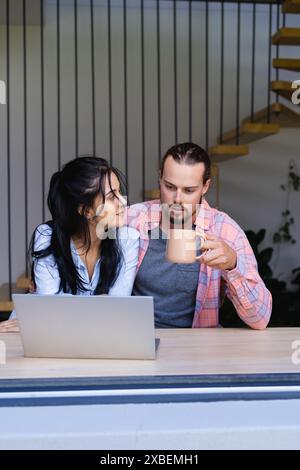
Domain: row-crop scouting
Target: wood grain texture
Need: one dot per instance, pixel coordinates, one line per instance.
(181, 352)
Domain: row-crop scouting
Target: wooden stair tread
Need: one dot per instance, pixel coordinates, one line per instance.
(251, 131)
(262, 114)
(152, 194)
(261, 128)
(220, 153)
(283, 88)
(291, 6)
(287, 64)
(279, 114)
(6, 305)
(23, 282)
(286, 117)
(282, 84)
(287, 37)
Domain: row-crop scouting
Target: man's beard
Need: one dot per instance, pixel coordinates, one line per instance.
(181, 218)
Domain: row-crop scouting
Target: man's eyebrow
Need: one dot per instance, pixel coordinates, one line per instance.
(187, 187)
(168, 182)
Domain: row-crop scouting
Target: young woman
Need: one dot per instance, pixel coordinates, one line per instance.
(85, 249)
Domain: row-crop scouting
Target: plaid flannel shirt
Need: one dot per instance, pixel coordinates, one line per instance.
(242, 285)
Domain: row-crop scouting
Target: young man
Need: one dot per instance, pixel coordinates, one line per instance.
(190, 295)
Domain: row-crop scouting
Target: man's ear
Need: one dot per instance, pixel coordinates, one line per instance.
(206, 187)
(159, 177)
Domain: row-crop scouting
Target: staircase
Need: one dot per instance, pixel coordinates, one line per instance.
(267, 121)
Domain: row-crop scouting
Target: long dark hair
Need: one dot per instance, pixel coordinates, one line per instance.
(77, 185)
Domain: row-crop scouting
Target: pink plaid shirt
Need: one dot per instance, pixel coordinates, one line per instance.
(242, 285)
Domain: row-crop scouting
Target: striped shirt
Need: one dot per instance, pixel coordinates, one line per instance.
(242, 285)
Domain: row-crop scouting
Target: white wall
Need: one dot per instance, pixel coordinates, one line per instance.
(269, 424)
(268, 159)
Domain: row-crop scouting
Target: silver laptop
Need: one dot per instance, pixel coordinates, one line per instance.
(86, 326)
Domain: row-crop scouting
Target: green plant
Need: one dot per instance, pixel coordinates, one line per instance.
(283, 234)
(263, 257)
(286, 302)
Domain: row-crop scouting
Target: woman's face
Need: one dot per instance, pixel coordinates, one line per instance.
(111, 213)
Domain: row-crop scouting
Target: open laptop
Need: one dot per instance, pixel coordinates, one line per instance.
(105, 327)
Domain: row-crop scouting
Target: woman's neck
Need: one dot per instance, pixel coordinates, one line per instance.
(95, 241)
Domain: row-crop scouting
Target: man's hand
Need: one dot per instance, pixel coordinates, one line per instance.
(217, 254)
(9, 326)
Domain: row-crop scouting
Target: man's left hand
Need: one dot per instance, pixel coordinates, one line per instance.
(217, 254)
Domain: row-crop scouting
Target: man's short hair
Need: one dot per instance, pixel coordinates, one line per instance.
(190, 154)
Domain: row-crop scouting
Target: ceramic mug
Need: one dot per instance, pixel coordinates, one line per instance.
(182, 245)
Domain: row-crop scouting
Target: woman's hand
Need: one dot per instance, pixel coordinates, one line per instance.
(9, 326)
(31, 288)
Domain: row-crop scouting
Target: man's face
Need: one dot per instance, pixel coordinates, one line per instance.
(181, 190)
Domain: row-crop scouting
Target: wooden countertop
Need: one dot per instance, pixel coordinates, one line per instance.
(181, 352)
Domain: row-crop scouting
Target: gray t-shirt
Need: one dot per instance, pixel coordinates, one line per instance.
(173, 286)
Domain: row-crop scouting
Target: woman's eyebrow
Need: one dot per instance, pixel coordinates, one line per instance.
(111, 191)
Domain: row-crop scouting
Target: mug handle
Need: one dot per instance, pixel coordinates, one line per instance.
(202, 235)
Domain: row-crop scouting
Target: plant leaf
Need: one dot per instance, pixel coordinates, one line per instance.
(260, 236)
(265, 255)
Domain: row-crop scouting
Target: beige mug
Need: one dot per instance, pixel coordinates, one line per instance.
(182, 245)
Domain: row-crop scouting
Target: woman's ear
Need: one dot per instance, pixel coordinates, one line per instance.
(80, 209)
(88, 213)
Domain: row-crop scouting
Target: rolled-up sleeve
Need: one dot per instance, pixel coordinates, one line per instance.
(246, 289)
